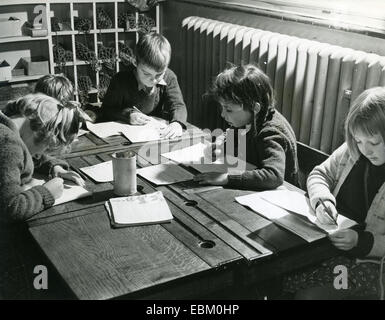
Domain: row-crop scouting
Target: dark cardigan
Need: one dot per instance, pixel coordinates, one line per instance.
(16, 169)
(273, 149)
(122, 94)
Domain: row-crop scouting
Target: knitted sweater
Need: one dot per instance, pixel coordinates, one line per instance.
(16, 169)
(273, 149)
(325, 181)
(166, 101)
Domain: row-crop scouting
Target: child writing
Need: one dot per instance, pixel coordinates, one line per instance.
(246, 98)
(29, 126)
(147, 88)
(351, 181)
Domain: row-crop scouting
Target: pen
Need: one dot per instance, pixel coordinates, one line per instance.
(329, 213)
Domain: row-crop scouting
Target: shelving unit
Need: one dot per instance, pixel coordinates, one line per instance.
(66, 12)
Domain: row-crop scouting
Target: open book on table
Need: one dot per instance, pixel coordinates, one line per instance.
(292, 210)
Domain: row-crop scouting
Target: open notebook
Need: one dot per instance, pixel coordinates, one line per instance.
(71, 190)
(138, 210)
(292, 210)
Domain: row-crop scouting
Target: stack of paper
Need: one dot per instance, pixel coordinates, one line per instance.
(292, 210)
(138, 210)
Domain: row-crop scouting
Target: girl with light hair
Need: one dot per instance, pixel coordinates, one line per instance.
(29, 127)
(351, 182)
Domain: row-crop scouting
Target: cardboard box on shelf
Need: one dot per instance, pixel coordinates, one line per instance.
(5, 71)
(10, 27)
(35, 65)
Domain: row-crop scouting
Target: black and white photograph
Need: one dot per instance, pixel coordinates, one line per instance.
(192, 157)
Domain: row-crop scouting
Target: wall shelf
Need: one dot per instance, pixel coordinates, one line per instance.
(65, 12)
(22, 38)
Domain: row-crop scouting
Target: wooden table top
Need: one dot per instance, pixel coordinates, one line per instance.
(211, 243)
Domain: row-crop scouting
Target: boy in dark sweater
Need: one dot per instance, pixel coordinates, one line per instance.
(147, 88)
(246, 99)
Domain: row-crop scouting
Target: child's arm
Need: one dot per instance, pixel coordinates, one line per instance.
(44, 164)
(174, 103)
(270, 172)
(16, 204)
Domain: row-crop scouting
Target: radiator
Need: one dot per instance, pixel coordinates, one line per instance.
(314, 83)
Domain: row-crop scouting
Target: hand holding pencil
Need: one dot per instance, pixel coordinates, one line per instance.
(138, 117)
(326, 212)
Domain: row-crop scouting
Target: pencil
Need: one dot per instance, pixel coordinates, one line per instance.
(329, 213)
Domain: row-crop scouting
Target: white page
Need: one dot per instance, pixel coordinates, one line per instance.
(188, 155)
(71, 191)
(298, 203)
(261, 206)
(137, 210)
(150, 131)
(101, 172)
(141, 133)
(105, 129)
(304, 227)
(161, 174)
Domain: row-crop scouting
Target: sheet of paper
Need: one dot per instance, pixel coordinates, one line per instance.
(188, 155)
(101, 172)
(274, 206)
(148, 132)
(298, 203)
(194, 156)
(261, 206)
(105, 129)
(138, 210)
(162, 174)
(71, 191)
(141, 133)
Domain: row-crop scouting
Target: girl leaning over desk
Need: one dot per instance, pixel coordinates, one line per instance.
(351, 181)
(29, 128)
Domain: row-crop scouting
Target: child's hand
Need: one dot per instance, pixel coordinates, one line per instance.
(344, 239)
(55, 186)
(59, 171)
(139, 119)
(173, 130)
(322, 216)
(213, 178)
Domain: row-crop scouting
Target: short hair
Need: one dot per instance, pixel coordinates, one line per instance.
(153, 50)
(51, 121)
(246, 85)
(367, 114)
(57, 86)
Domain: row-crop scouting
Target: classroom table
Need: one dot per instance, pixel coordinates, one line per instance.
(212, 244)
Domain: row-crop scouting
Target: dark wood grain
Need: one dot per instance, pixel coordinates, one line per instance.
(98, 262)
